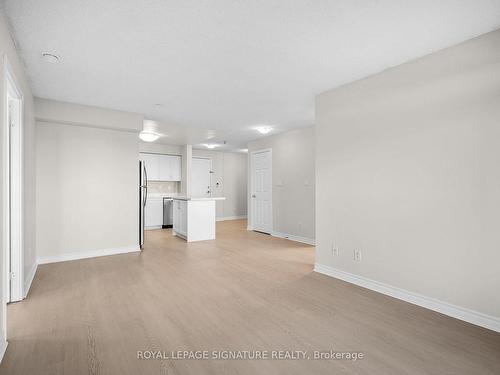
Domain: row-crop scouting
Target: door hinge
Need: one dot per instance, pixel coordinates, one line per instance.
(12, 275)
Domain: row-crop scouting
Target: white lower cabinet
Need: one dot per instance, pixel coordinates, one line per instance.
(194, 219)
(180, 217)
(153, 213)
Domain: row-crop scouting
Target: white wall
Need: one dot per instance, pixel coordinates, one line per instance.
(235, 184)
(293, 181)
(408, 173)
(230, 172)
(87, 189)
(84, 115)
(7, 50)
(186, 158)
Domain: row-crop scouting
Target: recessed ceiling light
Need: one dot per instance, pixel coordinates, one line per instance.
(148, 136)
(211, 145)
(264, 129)
(50, 57)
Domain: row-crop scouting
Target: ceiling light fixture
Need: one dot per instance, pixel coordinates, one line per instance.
(264, 129)
(50, 57)
(148, 136)
(211, 145)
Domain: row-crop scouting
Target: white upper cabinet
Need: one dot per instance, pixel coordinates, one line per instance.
(152, 166)
(162, 167)
(175, 167)
(165, 170)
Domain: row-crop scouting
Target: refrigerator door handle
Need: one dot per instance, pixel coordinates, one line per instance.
(145, 185)
(142, 201)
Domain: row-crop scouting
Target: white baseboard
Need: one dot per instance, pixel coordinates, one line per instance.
(3, 346)
(231, 218)
(29, 279)
(291, 237)
(461, 313)
(153, 227)
(87, 254)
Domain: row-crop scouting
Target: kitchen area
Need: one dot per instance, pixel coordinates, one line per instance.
(161, 204)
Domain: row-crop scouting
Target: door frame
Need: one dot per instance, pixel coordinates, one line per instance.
(211, 172)
(14, 287)
(250, 224)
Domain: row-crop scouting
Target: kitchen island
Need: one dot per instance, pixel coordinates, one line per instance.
(194, 218)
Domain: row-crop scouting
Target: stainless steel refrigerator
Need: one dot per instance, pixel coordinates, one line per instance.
(143, 196)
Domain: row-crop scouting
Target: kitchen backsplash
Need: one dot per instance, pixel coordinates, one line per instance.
(164, 187)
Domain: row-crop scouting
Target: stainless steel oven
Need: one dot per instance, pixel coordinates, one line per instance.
(168, 212)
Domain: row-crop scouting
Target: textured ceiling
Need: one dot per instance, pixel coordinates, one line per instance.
(230, 65)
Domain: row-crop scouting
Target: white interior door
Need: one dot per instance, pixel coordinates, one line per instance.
(261, 191)
(201, 177)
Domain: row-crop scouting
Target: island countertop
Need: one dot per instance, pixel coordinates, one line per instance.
(184, 198)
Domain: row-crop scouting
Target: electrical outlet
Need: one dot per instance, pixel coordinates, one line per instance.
(357, 255)
(335, 251)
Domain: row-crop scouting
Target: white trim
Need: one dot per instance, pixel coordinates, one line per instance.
(11, 82)
(292, 237)
(87, 254)
(6, 214)
(3, 346)
(461, 313)
(250, 205)
(159, 153)
(153, 227)
(231, 218)
(179, 234)
(85, 125)
(29, 280)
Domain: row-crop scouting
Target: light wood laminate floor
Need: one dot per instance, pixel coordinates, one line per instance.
(243, 291)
